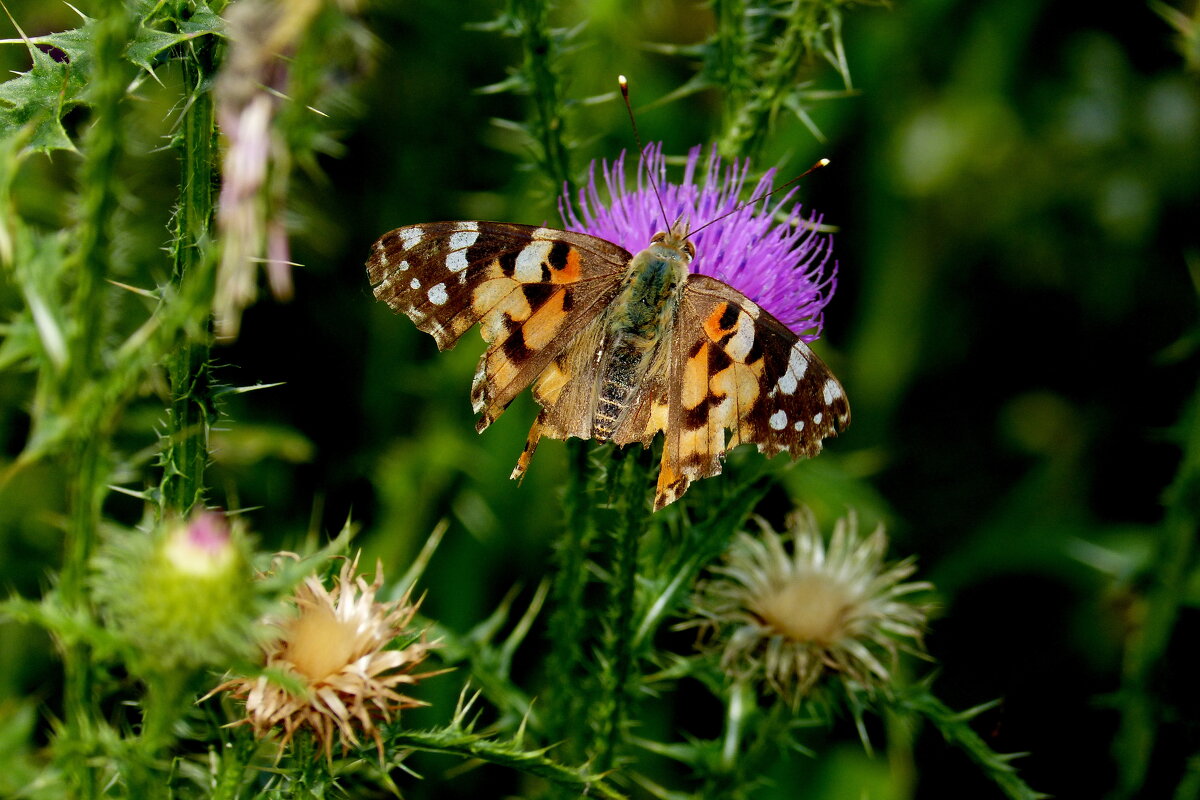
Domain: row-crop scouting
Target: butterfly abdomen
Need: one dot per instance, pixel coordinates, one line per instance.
(628, 358)
(635, 329)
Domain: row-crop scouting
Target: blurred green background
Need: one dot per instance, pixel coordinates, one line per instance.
(1016, 190)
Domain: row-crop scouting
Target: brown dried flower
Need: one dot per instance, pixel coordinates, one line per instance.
(342, 679)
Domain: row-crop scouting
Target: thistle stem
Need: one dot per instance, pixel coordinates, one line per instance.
(549, 125)
(98, 202)
(577, 781)
(1134, 743)
(231, 769)
(567, 619)
(618, 621)
(956, 730)
(191, 411)
(757, 93)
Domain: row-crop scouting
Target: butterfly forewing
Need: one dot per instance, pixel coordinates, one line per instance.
(531, 290)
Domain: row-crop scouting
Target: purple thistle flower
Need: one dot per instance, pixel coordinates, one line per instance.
(784, 267)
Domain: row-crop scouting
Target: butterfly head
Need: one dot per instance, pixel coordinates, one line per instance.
(673, 245)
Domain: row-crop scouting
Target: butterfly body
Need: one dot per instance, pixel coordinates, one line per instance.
(618, 347)
(636, 325)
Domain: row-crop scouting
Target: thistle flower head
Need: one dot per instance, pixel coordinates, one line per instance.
(788, 618)
(783, 266)
(179, 594)
(341, 676)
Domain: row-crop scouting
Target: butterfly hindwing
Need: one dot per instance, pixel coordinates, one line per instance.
(735, 367)
(531, 290)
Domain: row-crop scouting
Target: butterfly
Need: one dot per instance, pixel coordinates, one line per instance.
(618, 347)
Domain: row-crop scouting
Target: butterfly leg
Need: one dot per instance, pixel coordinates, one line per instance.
(535, 433)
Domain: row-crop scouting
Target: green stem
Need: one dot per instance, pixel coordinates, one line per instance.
(472, 746)
(98, 203)
(549, 124)
(1141, 715)
(191, 412)
(79, 703)
(164, 702)
(750, 743)
(733, 67)
(750, 109)
(567, 619)
(956, 729)
(231, 769)
(617, 619)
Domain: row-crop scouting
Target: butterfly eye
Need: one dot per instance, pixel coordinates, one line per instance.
(689, 248)
(658, 237)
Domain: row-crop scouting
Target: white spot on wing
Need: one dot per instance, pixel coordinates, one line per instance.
(403, 266)
(410, 236)
(414, 284)
(460, 240)
(778, 420)
(799, 426)
(832, 391)
(817, 417)
(787, 382)
(528, 268)
(437, 295)
(797, 363)
(743, 339)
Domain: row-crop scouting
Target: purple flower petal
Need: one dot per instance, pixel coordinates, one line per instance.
(784, 267)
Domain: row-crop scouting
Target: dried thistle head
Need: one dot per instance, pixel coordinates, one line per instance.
(789, 617)
(342, 677)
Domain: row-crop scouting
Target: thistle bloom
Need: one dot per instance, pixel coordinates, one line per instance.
(178, 595)
(789, 618)
(343, 679)
(784, 267)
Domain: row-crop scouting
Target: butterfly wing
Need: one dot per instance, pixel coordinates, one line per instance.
(532, 290)
(734, 366)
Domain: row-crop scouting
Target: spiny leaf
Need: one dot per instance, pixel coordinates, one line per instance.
(58, 78)
(149, 43)
(38, 99)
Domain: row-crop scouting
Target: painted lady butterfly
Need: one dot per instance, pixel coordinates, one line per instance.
(621, 346)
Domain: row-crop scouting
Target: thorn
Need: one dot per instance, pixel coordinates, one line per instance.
(134, 289)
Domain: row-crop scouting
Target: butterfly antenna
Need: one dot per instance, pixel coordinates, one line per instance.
(624, 84)
(824, 162)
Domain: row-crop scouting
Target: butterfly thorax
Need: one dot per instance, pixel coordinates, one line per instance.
(635, 323)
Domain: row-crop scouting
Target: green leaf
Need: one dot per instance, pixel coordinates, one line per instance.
(149, 43)
(36, 101)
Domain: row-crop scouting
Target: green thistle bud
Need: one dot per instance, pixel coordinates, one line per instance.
(180, 596)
